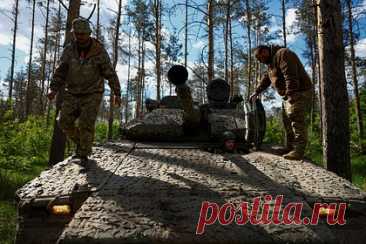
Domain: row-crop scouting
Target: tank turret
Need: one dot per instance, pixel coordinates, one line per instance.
(218, 93)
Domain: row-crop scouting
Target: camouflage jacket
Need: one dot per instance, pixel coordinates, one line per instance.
(85, 75)
(286, 73)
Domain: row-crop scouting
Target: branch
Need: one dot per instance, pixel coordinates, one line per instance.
(203, 61)
(92, 12)
(63, 5)
(198, 75)
(190, 6)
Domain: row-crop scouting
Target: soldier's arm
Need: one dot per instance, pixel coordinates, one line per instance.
(110, 74)
(263, 84)
(287, 61)
(59, 76)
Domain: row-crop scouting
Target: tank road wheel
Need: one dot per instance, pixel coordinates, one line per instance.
(255, 119)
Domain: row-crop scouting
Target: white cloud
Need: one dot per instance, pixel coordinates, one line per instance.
(5, 39)
(122, 72)
(5, 5)
(291, 25)
(360, 48)
(359, 9)
(291, 16)
(22, 42)
(198, 44)
(276, 26)
(111, 4)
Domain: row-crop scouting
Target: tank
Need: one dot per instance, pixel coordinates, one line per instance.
(174, 177)
(178, 118)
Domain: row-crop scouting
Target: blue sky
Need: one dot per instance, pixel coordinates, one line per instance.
(295, 42)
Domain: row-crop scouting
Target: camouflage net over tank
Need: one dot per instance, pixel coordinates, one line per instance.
(163, 124)
(155, 194)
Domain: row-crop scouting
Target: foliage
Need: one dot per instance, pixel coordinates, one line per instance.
(101, 131)
(7, 222)
(23, 150)
(274, 132)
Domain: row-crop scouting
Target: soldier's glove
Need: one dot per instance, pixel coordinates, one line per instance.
(51, 95)
(253, 97)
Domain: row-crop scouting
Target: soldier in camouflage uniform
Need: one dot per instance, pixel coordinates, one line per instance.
(83, 66)
(287, 74)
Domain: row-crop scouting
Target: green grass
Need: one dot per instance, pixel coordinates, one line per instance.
(7, 221)
(10, 181)
(359, 170)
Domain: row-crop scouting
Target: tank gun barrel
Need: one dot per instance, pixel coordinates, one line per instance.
(178, 75)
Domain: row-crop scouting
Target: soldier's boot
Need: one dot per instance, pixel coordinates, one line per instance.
(294, 155)
(76, 155)
(85, 150)
(283, 150)
(84, 161)
(83, 164)
(297, 153)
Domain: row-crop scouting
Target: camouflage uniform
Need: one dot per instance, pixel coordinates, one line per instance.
(287, 74)
(83, 73)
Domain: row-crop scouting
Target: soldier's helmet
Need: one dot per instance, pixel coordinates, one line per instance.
(81, 25)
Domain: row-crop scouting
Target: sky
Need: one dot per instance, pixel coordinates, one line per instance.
(170, 21)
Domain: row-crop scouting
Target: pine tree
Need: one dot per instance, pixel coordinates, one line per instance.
(336, 149)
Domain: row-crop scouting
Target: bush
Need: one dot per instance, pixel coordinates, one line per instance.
(101, 131)
(274, 132)
(23, 152)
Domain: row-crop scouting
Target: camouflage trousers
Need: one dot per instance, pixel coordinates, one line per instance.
(77, 119)
(294, 116)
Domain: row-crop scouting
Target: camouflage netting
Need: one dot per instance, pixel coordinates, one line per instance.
(144, 193)
(163, 124)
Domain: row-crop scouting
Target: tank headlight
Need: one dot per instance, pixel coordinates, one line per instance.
(323, 212)
(62, 210)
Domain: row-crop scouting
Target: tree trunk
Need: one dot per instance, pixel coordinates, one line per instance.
(226, 37)
(157, 7)
(98, 20)
(256, 68)
(210, 25)
(186, 35)
(317, 58)
(232, 82)
(313, 75)
(142, 76)
(57, 150)
(115, 61)
(284, 23)
(138, 81)
(44, 58)
(336, 150)
(249, 63)
(128, 74)
(29, 95)
(56, 51)
(354, 76)
(15, 28)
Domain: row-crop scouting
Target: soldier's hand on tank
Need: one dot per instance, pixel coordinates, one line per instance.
(253, 97)
(51, 95)
(117, 101)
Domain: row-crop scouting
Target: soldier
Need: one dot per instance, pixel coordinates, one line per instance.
(83, 66)
(287, 74)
